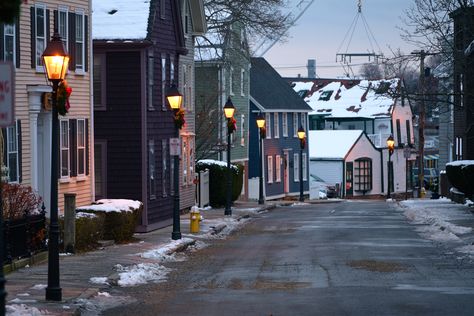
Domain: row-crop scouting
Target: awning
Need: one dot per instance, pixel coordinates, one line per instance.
(431, 157)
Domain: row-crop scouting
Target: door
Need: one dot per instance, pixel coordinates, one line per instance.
(43, 157)
(100, 169)
(286, 173)
(349, 179)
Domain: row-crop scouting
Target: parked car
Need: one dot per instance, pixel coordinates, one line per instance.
(430, 178)
(325, 190)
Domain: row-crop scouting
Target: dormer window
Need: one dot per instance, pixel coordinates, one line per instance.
(326, 95)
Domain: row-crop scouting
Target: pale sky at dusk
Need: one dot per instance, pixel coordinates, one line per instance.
(321, 30)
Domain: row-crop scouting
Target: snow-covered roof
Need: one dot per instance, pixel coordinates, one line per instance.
(120, 19)
(331, 144)
(343, 99)
(460, 163)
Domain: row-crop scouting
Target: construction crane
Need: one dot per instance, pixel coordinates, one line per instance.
(345, 58)
(265, 45)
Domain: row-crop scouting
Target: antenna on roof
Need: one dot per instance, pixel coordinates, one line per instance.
(346, 57)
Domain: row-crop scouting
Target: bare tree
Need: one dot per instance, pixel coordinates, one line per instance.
(208, 120)
(371, 71)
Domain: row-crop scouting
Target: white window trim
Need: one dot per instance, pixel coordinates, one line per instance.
(295, 125)
(278, 168)
(296, 167)
(184, 160)
(191, 160)
(303, 121)
(242, 130)
(276, 125)
(81, 69)
(64, 9)
(152, 168)
(64, 148)
(284, 119)
(268, 124)
(151, 79)
(14, 35)
(13, 130)
(242, 87)
(270, 169)
(305, 171)
(84, 140)
(231, 81)
(39, 67)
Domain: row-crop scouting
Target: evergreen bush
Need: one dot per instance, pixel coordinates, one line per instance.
(461, 175)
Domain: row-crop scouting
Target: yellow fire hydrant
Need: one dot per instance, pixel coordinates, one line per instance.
(195, 218)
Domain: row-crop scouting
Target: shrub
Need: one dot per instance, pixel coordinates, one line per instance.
(461, 175)
(19, 201)
(120, 217)
(89, 230)
(218, 180)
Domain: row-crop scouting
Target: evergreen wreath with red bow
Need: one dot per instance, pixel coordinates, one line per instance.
(62, 98)
(179, 118)
(231, 125)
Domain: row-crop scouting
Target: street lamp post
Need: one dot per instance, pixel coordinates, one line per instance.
(302, 138)
(262, 134)
(56, 62)
(175, 99)
(390, 146)
(229, 110)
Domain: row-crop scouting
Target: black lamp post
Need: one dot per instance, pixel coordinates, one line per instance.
(229, 110)
(175, 99)
(302, 138)
(56, 62)
(390, 146)
(262, 134)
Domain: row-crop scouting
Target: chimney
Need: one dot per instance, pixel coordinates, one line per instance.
(311, 68)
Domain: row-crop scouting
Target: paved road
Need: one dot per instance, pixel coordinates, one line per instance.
(353, 258)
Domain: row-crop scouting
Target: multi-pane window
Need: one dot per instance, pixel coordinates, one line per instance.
(80, 54)
(268, 124)
(231, 81)
(284, 121)
(171, 70)
(63, 25)
(40, 34)
(185, 86)
(276, 125)
(303, 121)
(296, 167)
(164, 165)
(305, 172)
(98, 78)
(12, 153)
(184, 160)
(242, 87)
(64, 148)
(163, 81)
(81, 147)
(191, 160)
(152, 168)
(399, 132)
(151, 79)
(458, 148)
(408, 132)
(242, 130)
(270, 169)
(9, 39)
(277, 168)
(363, 174)
(189, 88)
(295, 125)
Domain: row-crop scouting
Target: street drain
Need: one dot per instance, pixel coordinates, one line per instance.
(377, 266)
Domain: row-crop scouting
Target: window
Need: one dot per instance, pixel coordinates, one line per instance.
(164, 165)
(185, 86)
(186, 18)
(325, 96)
(276, 125)
(303, 121)
(277, 168)
(79, 49)
(408, 132)
(100, 169)
(268, 124)
(162, 9)
(296, 168)
(189, 88)
(151, 79)
(399, 133)
(64, 148)
(81, 147)
(284, 119)
(242, 130)
(163, 82)
(295, 125)
(171, 70)
(152, 168)
(184, 160)
(305, 172)
(8, 43)
(458, 148)
(40, 34)
(99, 81)
(242, 87)
(363, 174)
(63, 25)
(191, 160)
(12, 152)
(270, 169)
(231, 81)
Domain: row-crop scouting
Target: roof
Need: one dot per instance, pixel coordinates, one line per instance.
(271, 91)
(348, 98)
(331, 144)
(120, 19)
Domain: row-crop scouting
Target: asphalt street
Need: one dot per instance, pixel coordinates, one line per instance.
(350, 258)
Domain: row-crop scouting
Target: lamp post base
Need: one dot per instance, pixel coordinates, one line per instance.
(176, 235)
(53, 294)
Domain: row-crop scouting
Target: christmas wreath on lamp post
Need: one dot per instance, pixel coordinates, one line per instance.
(62, 98)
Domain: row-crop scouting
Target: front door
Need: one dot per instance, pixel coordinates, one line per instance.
(349, 177)
(44, 158)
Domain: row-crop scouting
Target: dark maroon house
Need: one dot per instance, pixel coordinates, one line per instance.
(137, 47)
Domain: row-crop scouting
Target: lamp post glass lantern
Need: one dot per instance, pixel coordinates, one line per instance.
(56, 62)
(175, 99)
(390, 146)
(229, 110)
(261, 126)
(302, 138)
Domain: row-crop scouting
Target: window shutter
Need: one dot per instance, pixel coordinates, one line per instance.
(73, 146)
(33, 37)
(55, 19)
(2, 29)
(17, 44)
(48, 32)
(18, 137)
(72, 41)
(86, 43)
(87, 146)
(5, 148)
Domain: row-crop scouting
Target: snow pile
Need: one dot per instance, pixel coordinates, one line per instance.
(141, 273)
(23, 310)
(436, 215)
(99, 280)
(167, 252)
(299, 204)
(113, 205)
(216, 162)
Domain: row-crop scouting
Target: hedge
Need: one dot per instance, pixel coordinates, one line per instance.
(461, 175)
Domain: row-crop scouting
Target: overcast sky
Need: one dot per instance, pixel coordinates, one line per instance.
(320, 32)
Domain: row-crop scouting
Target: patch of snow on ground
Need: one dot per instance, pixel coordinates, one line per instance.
(39, 287)
(99, 280)
(469, 249)
(141, 273)
(23, 310)
(299, 204)
(167, 252)
(102, 301)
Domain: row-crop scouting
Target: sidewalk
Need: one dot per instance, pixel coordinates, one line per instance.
(26, 287)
